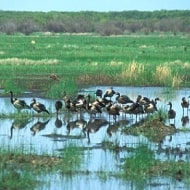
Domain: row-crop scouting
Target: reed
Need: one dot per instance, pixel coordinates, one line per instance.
(133, 73)
(177, 81)
(58, 87)
(162, 75)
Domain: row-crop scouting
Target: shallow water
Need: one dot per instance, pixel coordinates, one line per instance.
(15, 133)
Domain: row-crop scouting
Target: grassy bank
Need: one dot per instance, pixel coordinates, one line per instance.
(55, 63)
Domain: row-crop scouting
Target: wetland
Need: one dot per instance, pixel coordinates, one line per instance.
(46, 151)
(99, 155)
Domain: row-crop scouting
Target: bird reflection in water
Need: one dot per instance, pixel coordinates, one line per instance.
(76, 124)
(185, 120)
(94, 125)
(58, 122)
(114, 127)
(185, 105)
(58, 107)
(18, 124)
(38, 126)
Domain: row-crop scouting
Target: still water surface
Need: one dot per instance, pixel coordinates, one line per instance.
(97, 159)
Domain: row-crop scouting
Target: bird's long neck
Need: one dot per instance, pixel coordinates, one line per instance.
(118, 95)
(12, 99)
(32, 103)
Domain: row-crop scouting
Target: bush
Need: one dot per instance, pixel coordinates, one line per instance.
(27, 27)
(8, 27)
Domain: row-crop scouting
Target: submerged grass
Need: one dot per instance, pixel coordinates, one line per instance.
(11, 179)
(20, 170)
(138, 165)
(142, 165)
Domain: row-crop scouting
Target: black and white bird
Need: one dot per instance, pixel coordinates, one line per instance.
(99, 93)
(123, 99)
(171, 112)
(184, 104)
(151, 107)
(109, 93)
(114, 110)
(38, 107)
(142, 100)
(17, 103)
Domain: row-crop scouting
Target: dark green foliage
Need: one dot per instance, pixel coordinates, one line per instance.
(105, 23)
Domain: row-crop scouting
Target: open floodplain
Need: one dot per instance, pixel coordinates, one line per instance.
(77, 150)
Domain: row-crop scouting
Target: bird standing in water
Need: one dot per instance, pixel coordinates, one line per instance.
(58, 106)
(18, 104)
(184, 104)
(38, 107)
(171, 112)
(109, 93)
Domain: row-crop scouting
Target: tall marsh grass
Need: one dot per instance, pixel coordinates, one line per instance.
(92, 60)
(162, 75)
(133, 72)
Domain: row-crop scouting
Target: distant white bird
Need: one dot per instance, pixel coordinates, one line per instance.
(33, 42)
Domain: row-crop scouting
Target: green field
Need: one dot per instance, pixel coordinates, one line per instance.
(27, 62)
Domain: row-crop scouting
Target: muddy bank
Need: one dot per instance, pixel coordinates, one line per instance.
(155, 130)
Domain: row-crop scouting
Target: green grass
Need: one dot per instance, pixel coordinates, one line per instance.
(142, 165)
(20, 170)
(72, 158)
(136, 60)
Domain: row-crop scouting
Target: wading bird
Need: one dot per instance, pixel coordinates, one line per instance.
(18, 104)
(171, 112)
(58, 106)
(109, 93)
(38, 107)
(184, 104)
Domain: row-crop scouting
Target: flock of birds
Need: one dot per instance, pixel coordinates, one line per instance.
(103, 102)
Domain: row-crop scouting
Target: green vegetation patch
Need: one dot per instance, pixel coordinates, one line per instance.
(153, 127)
(19, 170)
(142, 164)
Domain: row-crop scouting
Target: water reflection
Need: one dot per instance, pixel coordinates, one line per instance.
(114, 127)
(76, 124)
(92, 131)
(38, 126)
(18, 124)
(185, 120)
(94, 125)
(58, 122)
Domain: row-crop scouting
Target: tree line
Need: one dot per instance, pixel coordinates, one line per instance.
(103, 23)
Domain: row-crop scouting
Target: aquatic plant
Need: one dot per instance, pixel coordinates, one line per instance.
(14, 179)
(71, 158)
(139, 165)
